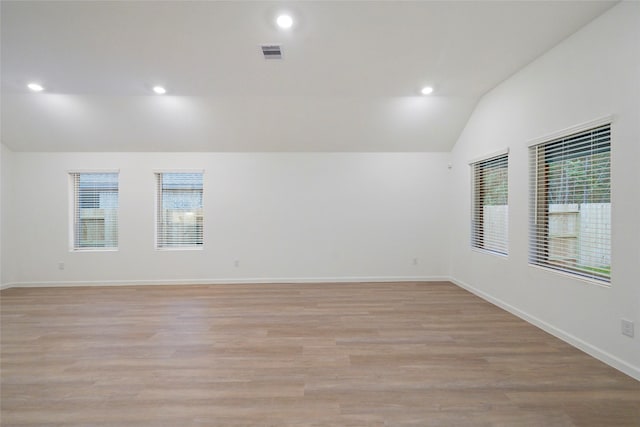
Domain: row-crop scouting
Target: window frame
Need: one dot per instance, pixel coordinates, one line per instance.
(539, 217)
(159, 223)
(74, 202)
(477, 235)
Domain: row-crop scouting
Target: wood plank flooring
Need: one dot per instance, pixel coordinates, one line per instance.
(362, 354)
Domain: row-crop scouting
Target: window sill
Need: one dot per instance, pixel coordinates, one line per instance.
(574, 276)
(190, 248)
(82, 250)
(489, 252)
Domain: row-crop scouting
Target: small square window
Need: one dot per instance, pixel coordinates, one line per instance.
(570, 225)
(95, 210)
(179, 214)
(490, 205)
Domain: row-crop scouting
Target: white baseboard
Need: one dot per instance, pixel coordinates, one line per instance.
(251, 280)
(598, 353)
(7, 285)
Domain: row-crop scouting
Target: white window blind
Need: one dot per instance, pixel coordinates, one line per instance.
(490, 204)
(179, 210)
(570, 206)
(95, 210)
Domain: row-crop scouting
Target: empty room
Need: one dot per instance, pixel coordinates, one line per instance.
(320, 213)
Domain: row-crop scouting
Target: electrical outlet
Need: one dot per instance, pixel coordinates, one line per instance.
(415, 261)
(627, 328)
(236, 263)
(61, 266)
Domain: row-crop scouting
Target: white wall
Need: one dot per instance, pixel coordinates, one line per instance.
(283, 216)
(2, 204)
(594, 73)
(6, 253)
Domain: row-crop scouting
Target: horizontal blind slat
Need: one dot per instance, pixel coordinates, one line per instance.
(180, 210)
(570, 206)
(489, 224)
(95, 210)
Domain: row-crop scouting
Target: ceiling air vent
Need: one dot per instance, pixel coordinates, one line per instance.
(271, 51)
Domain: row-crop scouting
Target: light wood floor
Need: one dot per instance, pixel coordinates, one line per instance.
(392, 354)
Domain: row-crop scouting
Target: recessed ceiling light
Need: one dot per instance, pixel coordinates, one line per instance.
(284, 21)
(35, 87)
(159, 90)
(426, 90)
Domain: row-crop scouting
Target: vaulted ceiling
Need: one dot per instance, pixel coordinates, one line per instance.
(349, 80)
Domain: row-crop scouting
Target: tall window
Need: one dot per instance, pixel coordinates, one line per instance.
(179, 210)
(490, 207)
(95, 210)
(571, 204)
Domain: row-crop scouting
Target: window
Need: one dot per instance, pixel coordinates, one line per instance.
(490, 207)
(570, 203)
(95, 210)
(179, 214)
